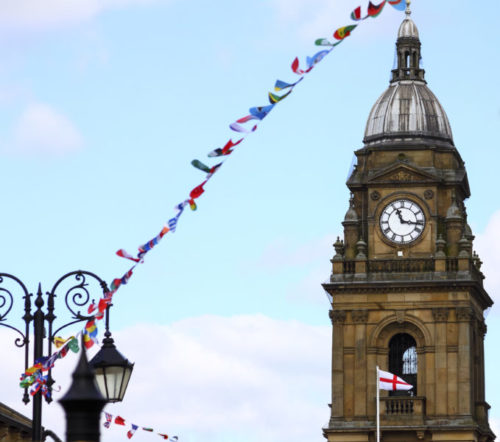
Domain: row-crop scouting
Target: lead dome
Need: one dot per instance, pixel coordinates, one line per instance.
(407, 109)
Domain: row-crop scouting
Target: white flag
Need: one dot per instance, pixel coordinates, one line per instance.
(391, 382)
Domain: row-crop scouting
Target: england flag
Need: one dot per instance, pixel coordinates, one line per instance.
(391, 382)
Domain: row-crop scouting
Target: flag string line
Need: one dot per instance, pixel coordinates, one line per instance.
(118, 420)
(33, 377)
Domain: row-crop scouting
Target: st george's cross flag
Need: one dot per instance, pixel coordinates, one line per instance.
(391, 382)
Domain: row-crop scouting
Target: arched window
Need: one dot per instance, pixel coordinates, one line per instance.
(403, 361)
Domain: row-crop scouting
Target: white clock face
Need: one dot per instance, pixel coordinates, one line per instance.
(402, 221)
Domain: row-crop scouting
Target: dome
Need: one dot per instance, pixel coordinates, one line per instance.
(407, 108)
(408, 29)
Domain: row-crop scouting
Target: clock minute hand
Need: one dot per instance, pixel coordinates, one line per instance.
(414, 222)
(400, 216)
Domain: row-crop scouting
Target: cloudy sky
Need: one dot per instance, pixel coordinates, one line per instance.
(103, 105)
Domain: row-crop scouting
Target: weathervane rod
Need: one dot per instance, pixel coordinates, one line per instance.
(408, 11)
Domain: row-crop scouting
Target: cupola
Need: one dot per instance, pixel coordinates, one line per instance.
(408, 110)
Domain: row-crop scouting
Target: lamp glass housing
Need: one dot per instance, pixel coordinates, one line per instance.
(113, 381)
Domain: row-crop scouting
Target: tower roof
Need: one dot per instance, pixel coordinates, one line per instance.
(407, 109)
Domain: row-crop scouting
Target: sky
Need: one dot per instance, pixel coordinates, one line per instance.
(103, 105)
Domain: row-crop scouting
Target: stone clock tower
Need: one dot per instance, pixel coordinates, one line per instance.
(406, 287)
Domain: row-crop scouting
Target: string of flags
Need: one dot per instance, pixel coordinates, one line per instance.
(33, 377)
(118, 420)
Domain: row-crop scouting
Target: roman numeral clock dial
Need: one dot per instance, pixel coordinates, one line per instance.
(402, 221)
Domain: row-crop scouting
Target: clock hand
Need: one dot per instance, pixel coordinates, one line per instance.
(400, 216)
(414, 222)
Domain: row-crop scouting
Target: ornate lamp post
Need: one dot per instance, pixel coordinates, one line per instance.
(41, 323)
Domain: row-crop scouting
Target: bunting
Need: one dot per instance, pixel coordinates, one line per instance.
(133, 427)
(32, 377)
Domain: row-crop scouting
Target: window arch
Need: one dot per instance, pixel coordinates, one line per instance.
(403, 361)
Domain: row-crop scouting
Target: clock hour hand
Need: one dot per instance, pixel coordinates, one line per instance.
(421, 223)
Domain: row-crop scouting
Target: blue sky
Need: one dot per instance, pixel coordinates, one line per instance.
(104, 104)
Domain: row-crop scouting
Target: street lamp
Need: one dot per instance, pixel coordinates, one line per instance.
(41, 323)
(112, 369)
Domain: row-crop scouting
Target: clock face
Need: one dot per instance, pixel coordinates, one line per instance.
(402, 221)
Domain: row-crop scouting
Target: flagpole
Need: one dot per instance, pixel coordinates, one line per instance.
(378, 406)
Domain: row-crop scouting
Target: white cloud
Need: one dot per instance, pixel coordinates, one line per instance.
(487, 245)
(210, 378)
(33, 14)
(43, 130)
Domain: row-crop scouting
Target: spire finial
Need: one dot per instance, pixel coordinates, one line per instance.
(408, 11)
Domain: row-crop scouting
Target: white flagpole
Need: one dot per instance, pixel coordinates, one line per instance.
(378, 406)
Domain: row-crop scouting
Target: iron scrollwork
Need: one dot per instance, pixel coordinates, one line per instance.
(7, 302)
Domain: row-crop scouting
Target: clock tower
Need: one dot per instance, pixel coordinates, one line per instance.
(406, 288)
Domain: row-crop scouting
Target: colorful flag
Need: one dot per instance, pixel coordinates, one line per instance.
(115, 284)
(316, 58)
(109, 419)
(273, 98)
(398, 4)
(103, 304)
(119, 420)
(344, 32)
(123, 254)
(296, 69)
(132, 430)
(326, 42)
(239, 128)
(147, 429)
(280, 85)
(88, 340)
(164, 436)
(356, 14)
(261, 112)
(73, 345)
(197, 191)
(150, 244)
(172, 222)
(374, 10)
(33, 369)
(213, 170)
(175, 438)
(391, 382)
(50, 361)
(192, 204)
(226, 150)
(59, 342)
(246, 119)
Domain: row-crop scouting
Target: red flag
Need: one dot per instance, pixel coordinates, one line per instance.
(374, 10)
(197, 191)
(356, 14)
(165, 436)
(119, 420)
(226, 150)
(103, 304)
(295, 67)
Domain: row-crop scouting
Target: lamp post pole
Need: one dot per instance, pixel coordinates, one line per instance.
(77, 296)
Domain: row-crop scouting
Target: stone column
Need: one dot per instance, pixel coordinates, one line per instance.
(338, 318)
(452, 349)
(441, 364)
(349, 339)
(359, 318)
(464, 318)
